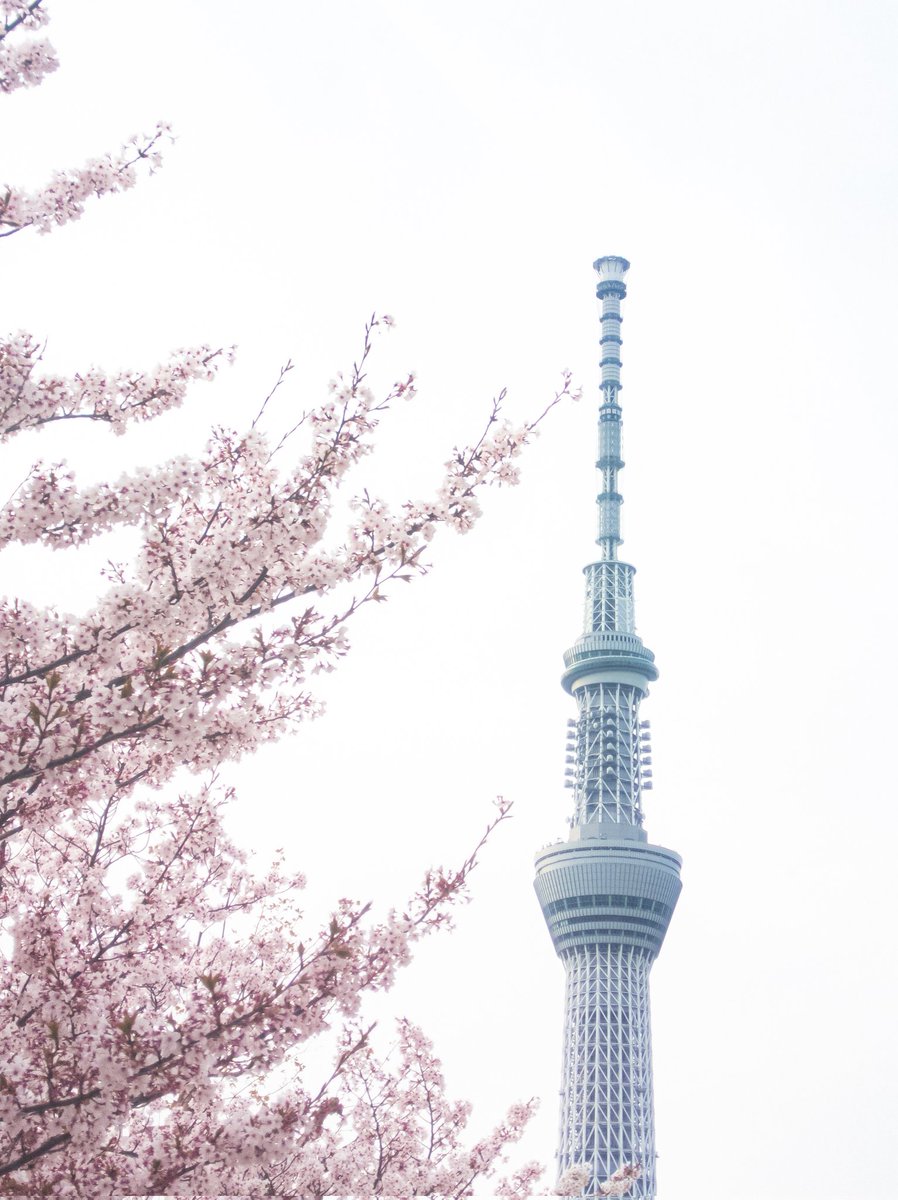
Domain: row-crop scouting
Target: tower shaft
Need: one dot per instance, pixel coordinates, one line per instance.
(606, 893)
(607, 1113)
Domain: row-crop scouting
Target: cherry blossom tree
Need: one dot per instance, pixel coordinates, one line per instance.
(157, 994)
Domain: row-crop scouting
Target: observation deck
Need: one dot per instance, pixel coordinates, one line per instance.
(608, 656)
(604, 888)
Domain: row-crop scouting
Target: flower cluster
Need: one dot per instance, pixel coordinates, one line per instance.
(621, 1181)
(573, 1181)
(23, 64)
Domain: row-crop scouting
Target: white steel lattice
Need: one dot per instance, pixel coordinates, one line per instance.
(607, 1106)
(607, 778)
(609, 598)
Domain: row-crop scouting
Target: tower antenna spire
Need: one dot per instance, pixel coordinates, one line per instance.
(606, 893)
(610, 289)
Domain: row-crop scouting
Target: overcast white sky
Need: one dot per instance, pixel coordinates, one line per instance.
(461, 166)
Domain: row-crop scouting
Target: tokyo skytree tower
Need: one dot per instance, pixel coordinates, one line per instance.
(606, 892)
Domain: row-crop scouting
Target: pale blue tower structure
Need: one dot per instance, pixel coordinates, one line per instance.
(606, 892)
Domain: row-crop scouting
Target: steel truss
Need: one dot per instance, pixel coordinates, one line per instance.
(609, 598)
(607, 1106)
(607, 777)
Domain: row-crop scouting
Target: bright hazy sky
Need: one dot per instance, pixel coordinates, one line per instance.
(460, 166)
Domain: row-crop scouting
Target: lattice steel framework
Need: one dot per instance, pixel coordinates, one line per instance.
(608, 753)
(609, 598)
(606, 893)
(607, 1113)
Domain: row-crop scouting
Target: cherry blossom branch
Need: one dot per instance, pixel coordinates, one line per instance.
(21, 12)
(114, 400)
(282, 375)
(63, 198)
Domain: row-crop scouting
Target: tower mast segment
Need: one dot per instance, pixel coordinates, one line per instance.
(611, 289)
(606, 893)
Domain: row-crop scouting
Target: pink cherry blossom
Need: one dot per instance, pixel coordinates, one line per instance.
(23, 64)
(156, 989)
